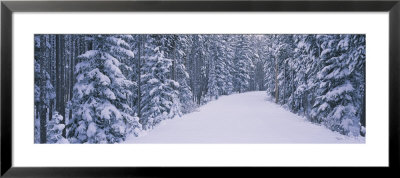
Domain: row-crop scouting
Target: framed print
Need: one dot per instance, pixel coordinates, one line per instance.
(151, 88)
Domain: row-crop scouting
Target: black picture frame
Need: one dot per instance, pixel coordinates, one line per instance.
(8, 7)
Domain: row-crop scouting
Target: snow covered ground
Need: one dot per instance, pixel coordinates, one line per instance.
(241, 118)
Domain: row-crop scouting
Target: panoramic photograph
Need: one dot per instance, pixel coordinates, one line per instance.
(199, 88)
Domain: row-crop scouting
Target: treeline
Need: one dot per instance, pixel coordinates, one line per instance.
(102, 88)
(321, 77)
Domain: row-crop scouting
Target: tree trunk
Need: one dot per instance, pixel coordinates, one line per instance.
(62, 89)
(276, 82)
(139, 77)
(362, 119)
(42, 105)
(72, 77)
(60, 60)
(38, 107)
(49, 70)
(58, 78)
(284, 86)
(53, 50)
(173, 77)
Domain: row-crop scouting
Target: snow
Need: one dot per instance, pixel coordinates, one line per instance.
(241, 118)
(87, 115)
(347, 87)
(153, 80)
(107, 110)
(110, 95)
(325, 52)
(323, 107)
(118, 41)
(96, 73)
(128, 53)
(91, 131)
(363, 129)
(89, 54)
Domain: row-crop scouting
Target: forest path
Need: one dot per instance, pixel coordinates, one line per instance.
(241, 118)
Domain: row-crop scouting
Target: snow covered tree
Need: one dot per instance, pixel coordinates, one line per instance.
(336, 106)
(224, 67)
(101, 112)
(128, 56)
(47, 95)
(55, 129)
(356, 64)
(270, 66)
(184, 93)
(182, 76)
(320, 77)
(305, 63)
(213, 59)
(242, 64)
(196, 67)
(43, 88)
(282, 53)
(160, 94)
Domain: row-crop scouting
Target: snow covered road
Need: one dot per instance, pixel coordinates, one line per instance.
(241, 118)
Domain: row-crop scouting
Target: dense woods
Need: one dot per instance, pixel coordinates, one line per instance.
(103, 88)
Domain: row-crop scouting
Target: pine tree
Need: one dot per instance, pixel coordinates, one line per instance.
(269, 67)
(260, 48)
(356, 64)
(335, 106)
(101, 110)
(305, 66)
(55, 129)
(226, 66)
(44, 91)
(159, 99)
(182, 76)
(48, 94)
(242, 64)
(213, 59)
(185, 94)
